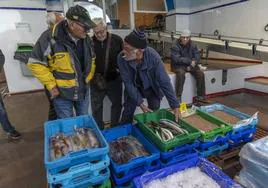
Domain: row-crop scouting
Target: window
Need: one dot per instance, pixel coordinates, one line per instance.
(117, 12)
(155, 6)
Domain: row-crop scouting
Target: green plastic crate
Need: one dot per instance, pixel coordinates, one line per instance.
(164, 146)
(221, 130)
(106, 184)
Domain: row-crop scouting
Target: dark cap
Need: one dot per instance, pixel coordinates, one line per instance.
(81, 15)
(137, 39)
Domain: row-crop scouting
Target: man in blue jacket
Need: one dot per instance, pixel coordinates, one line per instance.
(184, 58)
(144, 76)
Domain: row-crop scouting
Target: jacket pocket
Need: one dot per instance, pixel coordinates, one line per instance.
(61, 62)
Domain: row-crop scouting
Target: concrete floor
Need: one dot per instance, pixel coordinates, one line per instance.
(21, 163)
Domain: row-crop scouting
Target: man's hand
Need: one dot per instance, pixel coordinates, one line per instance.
(54, 92)
(193, 64)
(144, 108)
(177, 114)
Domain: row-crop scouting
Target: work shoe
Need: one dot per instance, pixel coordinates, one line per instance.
(14, 135)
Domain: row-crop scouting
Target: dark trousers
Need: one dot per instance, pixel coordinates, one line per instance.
(198, 75)
(4, 118)
(114, 93)
(52, 115)
(130, 105)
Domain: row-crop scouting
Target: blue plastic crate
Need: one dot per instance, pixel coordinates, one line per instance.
(213, 150)
(67, 126)
(126, 180)
(242, 134)
(241, 141)
(231, 111)
(219, 140)
(144, 161)
(83, 180)
(207, 167)
(180, 158)
(88, 167)
(187, 148)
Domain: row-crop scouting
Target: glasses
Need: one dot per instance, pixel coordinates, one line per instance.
(86, 29)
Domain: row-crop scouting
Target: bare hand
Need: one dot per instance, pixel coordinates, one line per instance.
(193, 63)
(177, 114)
(54, 92)
(144, 108)
(188, 68)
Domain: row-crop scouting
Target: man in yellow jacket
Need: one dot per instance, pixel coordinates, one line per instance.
(64, 61)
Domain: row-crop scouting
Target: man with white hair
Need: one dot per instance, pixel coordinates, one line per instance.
(54, 18)
(184, 58)
(106, 81)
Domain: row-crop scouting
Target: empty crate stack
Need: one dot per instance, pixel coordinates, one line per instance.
(76, 153)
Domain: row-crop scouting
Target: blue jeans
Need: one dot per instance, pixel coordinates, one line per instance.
(4, 118)
(65, 108)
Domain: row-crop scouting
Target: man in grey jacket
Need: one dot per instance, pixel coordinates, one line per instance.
(8, 128)
(184, 58)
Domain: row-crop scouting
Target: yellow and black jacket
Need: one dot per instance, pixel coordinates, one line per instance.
(55, 63)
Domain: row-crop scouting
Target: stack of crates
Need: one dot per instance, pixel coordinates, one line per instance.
(123, 174)
(213, 141)
(84, 168)
(205, 166)
(240, 135)
(178, 149)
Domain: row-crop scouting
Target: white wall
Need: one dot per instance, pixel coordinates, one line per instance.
(182, 22)
(10, 36)
(171, 23)
(245, 19)
(23, 3)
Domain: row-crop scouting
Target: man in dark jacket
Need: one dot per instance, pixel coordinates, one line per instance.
(184, 58)
(107, 46)
(144, 76)
(8, 128)
(64, 62)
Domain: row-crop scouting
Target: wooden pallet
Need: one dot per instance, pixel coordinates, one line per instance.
(228, 160)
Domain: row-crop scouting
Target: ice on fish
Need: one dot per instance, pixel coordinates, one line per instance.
(189, 178)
